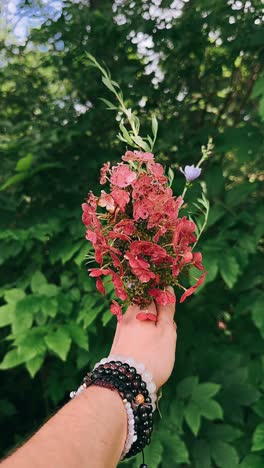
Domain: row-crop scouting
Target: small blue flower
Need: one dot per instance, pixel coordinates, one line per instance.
(191, 172)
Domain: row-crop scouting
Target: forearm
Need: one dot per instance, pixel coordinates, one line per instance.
(88, 432)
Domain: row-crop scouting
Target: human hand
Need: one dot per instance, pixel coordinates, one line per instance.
(149, 342)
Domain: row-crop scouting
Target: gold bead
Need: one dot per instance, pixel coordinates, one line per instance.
(125, 401)
(139, 399)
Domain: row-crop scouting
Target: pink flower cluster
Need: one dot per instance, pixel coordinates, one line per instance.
(139, 240)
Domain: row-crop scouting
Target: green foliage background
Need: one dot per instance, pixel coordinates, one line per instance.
(53, 322)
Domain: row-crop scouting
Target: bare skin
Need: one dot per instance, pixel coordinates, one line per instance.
(90, 430)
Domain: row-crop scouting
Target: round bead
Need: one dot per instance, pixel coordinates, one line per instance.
(147, 376)
(139, 399)
(143, 385)
(136, 384)
(143, 465)
(140, 368)
(129, 396)
(152, 387)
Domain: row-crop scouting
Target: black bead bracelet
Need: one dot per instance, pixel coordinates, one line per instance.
(132, 389)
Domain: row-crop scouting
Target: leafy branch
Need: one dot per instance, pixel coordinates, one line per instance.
(130, 136)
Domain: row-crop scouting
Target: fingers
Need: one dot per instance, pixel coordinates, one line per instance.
(166, 313)
(133, 311)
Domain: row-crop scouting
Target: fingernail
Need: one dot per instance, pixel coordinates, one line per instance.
(170, 289)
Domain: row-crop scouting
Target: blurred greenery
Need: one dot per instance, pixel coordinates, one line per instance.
(198, 66)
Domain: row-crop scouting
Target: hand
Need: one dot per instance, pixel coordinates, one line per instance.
(152, 343)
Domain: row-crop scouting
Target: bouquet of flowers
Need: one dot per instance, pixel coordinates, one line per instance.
(140, 240)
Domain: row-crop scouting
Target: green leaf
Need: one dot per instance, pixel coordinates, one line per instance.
(229, 269)
(65, 250)
(49, 306)
(201, 454)
(49, 290)
(23, 316)
(34, 364)
(24, 163)
(6, 315)
(210, 409)
(243, 394)
(180, 451)
(210, 262)
(154, 126)
(14, 295)
(88, 316)
(205, 391)
(107, 82)
(29, 304)
(31, 343)
(80, 257)
(192, 416)
(107, 316)
(154, 453)
(59, 342)
(14, 180)
(7, 408)
(125, 134)
(37, 280)
(252, 461)
(223, 454)
(11, 359)
(258, 89)
(258, 315)
(258, 438)
(258, 407)
(186, 387)
(224, 432)
(239, 193)
(176, 414)
(141, 143)
(109, 105)
(78, 335)
(83, 358)
(170, 176)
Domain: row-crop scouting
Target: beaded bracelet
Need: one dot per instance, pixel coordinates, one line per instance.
(140, 368)
(138, 397)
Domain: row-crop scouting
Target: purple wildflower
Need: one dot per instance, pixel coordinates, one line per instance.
(191, 172)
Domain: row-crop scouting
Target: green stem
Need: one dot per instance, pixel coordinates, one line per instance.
(186, 187)
(202, 229)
